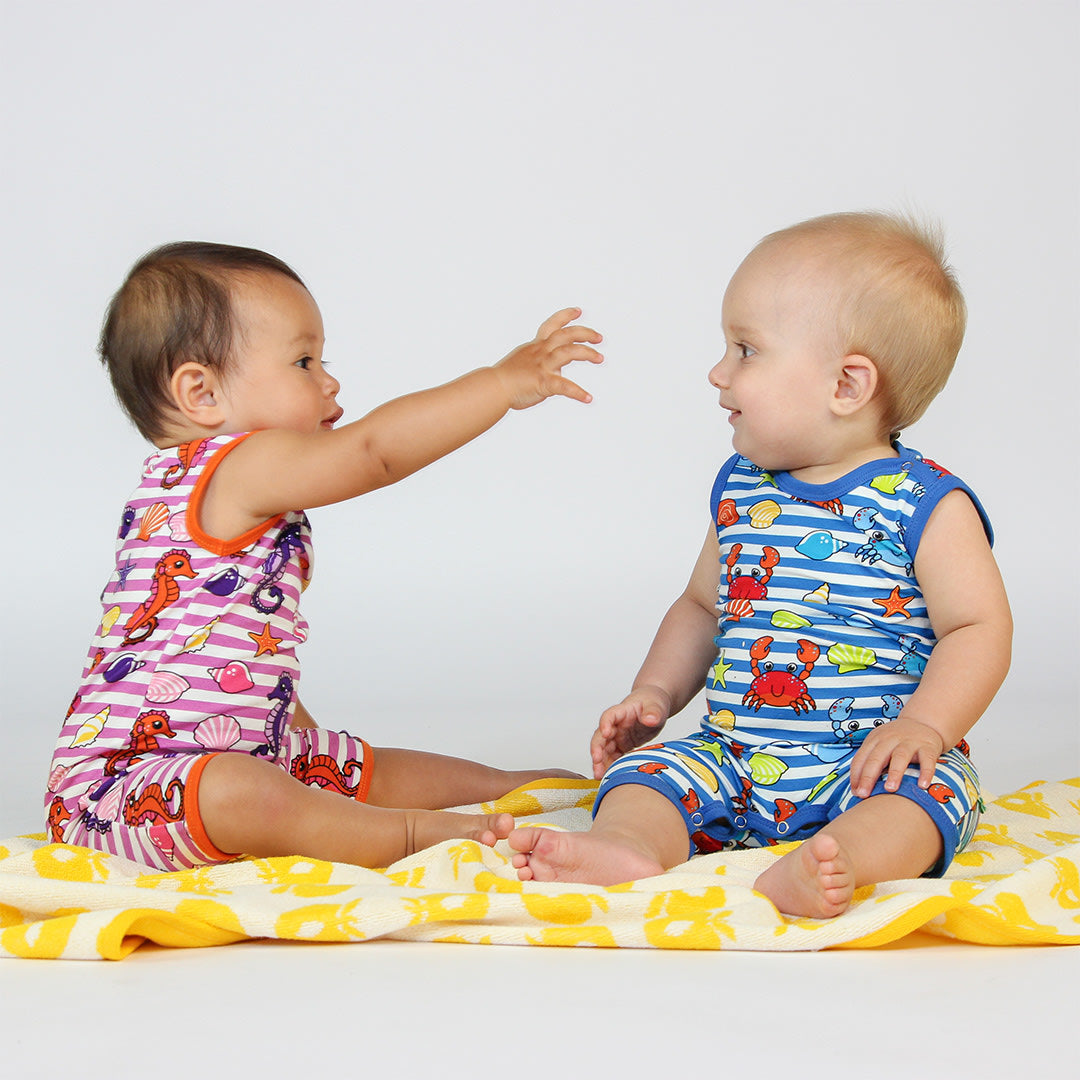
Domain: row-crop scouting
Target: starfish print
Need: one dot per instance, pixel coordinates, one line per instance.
(720, 670)
(266, 641)
(894, 603)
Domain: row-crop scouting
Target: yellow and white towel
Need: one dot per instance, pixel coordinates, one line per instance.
(1018, 883)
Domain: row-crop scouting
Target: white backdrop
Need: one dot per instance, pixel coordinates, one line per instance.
(443, 177)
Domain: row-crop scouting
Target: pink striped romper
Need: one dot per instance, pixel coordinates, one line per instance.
(195, 655)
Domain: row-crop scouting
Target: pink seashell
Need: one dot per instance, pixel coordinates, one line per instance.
(56, 777)
(154, 516)
(166, 686)
(219, 732)
(178, 527)
(234, 678)
(108, 806)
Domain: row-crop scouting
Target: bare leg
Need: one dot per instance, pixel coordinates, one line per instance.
(414, 778)
(637, 833)
(880, 839)
(255, 808)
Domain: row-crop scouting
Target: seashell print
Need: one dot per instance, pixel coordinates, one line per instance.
(764, 513)
(225, 582)
(178, 527)
(726, 513)
(725, 719)
(219, 732)
(166, 686)
(851, 657)
(234, 678)
(820, 595)
(56, 777)
(91, 728)
(736, 609)
(788, 620)
(200, 637)
(889, 484)
(766, 769)
(108, 620)
(122, 667)
(820, 545)
(108, 806)
(154, 517)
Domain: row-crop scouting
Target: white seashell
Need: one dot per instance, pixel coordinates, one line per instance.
(166, 686)
(91, 728)
(219, 732)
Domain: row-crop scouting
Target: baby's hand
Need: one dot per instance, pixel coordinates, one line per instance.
(637, 719)
(531, 372)
(894, 746)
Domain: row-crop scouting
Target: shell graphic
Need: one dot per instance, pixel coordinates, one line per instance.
(233, 678)
(764, 513)
(56, 777)
(889, 484)
(108, 806)
(851, 657)
(726, 512)
(178, 527)
(108, 620)
(725, 719)
(200, 637)
(166, 686)
(225, 582)
(820, 545)
(820, 595)
(91, 728)
(788, 620)
(219, 732)
(766, 769)
(154, 517)
(122, 667)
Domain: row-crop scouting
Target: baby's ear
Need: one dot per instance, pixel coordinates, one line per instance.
(195, 390)
(856, 384)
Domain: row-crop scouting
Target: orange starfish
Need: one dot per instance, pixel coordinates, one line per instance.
(266, 641)
(894, 603)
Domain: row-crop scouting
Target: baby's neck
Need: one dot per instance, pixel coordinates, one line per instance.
(825, 472)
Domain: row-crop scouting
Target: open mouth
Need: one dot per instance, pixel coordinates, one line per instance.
(331, 420)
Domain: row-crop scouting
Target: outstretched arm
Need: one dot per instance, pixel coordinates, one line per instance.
(969, 611)
(277, 470)
(674, 669)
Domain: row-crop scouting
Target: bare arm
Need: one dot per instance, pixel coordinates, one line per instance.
(674, 669)
(969, 611)
(275, 471)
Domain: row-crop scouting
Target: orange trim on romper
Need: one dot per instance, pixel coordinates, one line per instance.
(213, 543)
(196, 829)
(365, 773)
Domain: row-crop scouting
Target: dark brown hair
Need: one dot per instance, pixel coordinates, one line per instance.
(175, 306)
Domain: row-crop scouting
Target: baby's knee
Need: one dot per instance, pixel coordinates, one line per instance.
(236, 790)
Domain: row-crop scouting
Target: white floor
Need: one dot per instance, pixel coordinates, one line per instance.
(920, 1009)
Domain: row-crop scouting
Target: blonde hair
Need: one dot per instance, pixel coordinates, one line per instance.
(897, 301)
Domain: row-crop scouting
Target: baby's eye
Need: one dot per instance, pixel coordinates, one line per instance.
(745, 352)
(304, 362)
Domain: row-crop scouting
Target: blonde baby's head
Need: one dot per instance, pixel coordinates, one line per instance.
(177, 305)
(883, 290)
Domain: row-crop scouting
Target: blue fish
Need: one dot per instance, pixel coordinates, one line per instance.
(820, 545)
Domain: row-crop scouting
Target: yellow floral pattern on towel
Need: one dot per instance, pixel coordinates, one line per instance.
(1017, 883)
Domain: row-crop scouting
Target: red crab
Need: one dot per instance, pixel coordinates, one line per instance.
(780, 688)
(742, 588)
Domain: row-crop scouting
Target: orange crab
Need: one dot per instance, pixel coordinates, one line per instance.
(780, 689)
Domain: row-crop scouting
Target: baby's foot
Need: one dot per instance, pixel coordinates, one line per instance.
(434, 826)
(545, 855)
(815, 880)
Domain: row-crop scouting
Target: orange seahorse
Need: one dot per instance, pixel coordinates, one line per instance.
(163, 591)
(59, 816)
(152, 804)
(323, 771)
(188, 454)
(143, 739)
